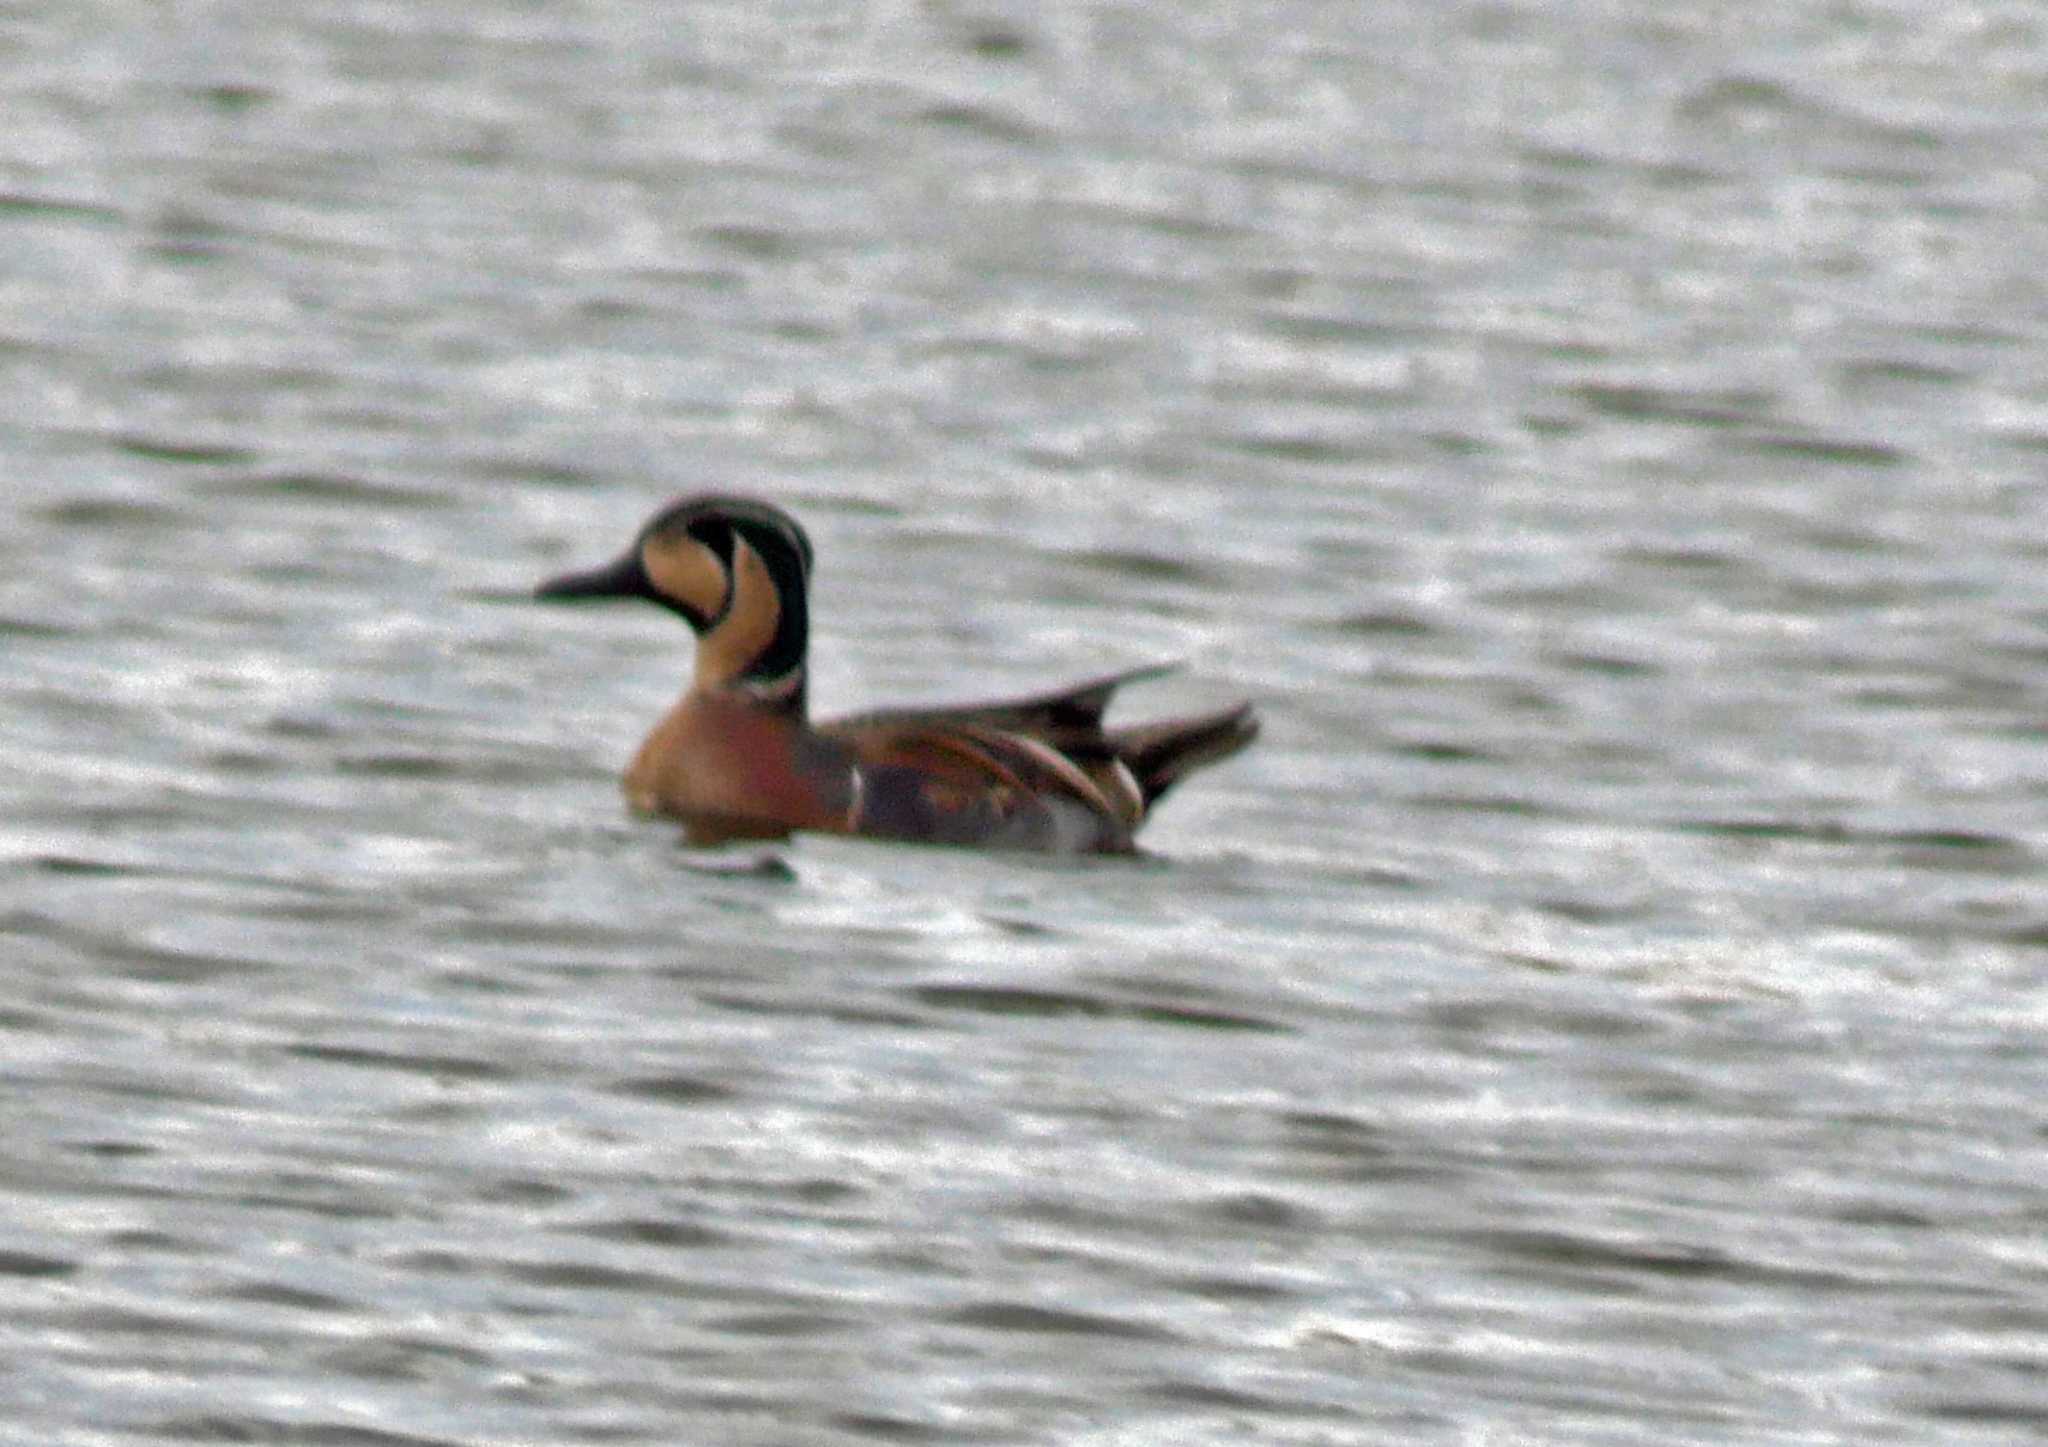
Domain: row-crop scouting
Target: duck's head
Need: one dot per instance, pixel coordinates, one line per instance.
(737, 571)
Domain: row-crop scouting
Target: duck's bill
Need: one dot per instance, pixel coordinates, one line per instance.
(622, 579)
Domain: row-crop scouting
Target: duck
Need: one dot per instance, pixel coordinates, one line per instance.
(738, 756)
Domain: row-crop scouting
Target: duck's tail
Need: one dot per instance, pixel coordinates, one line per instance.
(1159, 755)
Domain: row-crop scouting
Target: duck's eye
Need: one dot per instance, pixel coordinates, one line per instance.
(687, 574)
(715, 534)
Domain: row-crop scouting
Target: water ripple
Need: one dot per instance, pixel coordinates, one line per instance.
(1604, 1005)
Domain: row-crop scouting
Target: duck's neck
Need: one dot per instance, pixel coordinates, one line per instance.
(785, 694)
(757, 645)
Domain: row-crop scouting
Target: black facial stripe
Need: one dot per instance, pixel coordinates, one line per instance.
(786, 563)
(711, 517)
(715, 533)
(716, 522)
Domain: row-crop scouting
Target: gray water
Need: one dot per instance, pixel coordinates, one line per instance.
(1607, 1006)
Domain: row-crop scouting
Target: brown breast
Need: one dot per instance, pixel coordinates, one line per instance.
(722, 755)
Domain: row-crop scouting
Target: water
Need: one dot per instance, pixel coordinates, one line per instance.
(1606, 1007)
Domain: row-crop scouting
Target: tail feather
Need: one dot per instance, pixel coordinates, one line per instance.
(1160, 755)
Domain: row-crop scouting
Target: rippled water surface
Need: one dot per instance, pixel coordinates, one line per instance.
(1607, 1006)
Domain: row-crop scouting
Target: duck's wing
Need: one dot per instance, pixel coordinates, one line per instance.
(1068, 718)
(979, 772)
(950, 777)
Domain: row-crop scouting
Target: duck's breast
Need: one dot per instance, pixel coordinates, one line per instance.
(731, 758)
